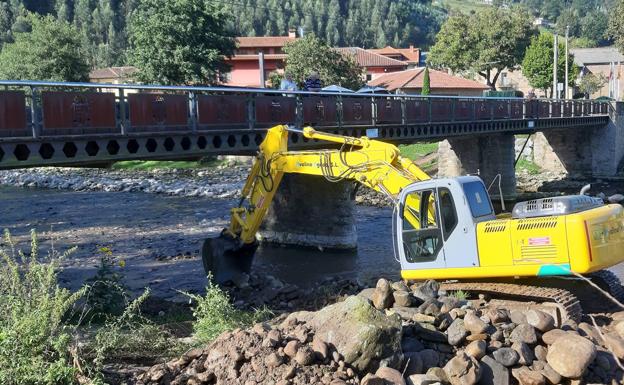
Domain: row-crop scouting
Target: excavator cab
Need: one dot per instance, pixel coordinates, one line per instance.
(436, 221)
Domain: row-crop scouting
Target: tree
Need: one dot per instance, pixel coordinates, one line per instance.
(616, 25)
(537, 65)
(180, 41)
(50, 51)
(486, 43)
(591, 83)
(312, 54)
(426, 88)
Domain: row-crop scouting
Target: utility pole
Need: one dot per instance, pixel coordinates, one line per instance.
(555, 57)
(565, 85)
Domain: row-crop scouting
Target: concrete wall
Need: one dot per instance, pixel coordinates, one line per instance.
(486, 156)
(310, 211)
(580, 153)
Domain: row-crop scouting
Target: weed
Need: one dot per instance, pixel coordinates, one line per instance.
(418, 150)
(34, 340)
(215, 313)
(531, 167)
(459, 294)
(107, 295)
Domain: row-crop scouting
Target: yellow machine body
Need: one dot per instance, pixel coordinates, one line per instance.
(583, 243)
(432, 243)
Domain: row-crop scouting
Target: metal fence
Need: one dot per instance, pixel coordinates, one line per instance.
(49, 109)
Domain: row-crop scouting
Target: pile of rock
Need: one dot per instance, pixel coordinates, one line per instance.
(395, 334)
(448, 340)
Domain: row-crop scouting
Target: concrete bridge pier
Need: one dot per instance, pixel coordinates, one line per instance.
(583, 153)
(310, 211)
(486, 156)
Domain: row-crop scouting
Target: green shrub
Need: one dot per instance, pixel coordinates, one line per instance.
(459, 294)
(531, 167)
(34, 340)
(106, 295)
(215, 314)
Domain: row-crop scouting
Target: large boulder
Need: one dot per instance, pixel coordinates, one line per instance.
(462, 370)
(570, 355)
(362, 335)
(382, 296)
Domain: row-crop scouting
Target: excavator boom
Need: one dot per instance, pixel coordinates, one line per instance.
(373, 163)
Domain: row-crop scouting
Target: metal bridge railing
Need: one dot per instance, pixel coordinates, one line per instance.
(49, 109)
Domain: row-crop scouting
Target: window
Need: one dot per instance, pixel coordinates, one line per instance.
(447, 212)
(478, 199)
(422, 236)
(369, 77)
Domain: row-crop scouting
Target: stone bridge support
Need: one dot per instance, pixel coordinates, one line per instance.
(312, 212)
(583, 153)
(487, 156)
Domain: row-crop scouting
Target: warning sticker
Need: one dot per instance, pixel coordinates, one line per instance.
(539, 241)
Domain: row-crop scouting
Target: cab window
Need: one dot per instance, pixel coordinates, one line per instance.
(478, 199)
(447, 212)
(422, 235)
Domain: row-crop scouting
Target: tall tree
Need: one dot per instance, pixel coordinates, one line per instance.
(51, 51)
(486, 43)
(426, 87)
(537, 65)
(616, 25)
(312, 54)
(180, 41)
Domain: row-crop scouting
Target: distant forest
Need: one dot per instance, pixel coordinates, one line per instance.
(365, 23)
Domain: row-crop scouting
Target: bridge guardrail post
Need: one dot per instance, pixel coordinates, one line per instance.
(34, 112)
(429, 109)
(374, 109)
(299, 111)
(453, 109)
(251, 111)
(403, 110)
(122, 112)
(192, 99)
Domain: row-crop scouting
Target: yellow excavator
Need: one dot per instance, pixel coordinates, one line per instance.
(444, 229)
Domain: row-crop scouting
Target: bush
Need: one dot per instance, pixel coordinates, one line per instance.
(34, 340)
(215, 314)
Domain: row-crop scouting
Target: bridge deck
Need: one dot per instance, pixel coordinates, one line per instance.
(43, 123)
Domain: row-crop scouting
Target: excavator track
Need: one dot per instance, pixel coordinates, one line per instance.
(607, 280)
(568, 305)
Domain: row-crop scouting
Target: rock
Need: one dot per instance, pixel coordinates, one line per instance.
(524, 333)
(477, 337)
(399, 286)
(527, 376)
(619, 328)
(361, 334)
(570, 355)
(391, 376)
(540, 320)
(411, 344)
(517, 317)
(551, 375)
(497, 315)
(291, 348)
(371, 379)
(272, 339)
(618, 316)
(448, 304)
(413, 363)
(421, 379)
(430, 358)
(476, 349)
(429, 332)
(540, 352)
(589, 331)
(462, 370)
(438, 373)
(382, 297)
(474, 324)
(426, 291)
(273, 360)
(551, 336)
(320, 349)
(402, 298)
(456, 332)
(615, 344)
(418, 317)
(367, 293)
(525, 353)
(407, 313)
(493, 373)
(506, 356)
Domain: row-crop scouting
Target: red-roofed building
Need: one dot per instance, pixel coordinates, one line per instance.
(410, 55)
(441, 83)
(374, 64)
(245, 63)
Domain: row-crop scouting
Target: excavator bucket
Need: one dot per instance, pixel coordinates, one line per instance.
(225, 258)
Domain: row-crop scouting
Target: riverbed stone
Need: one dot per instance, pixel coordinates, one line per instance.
(413, 363)
(390, 376)
(540, 320)
(382, 297)
(526, 376)
(540, 352)
(506, 356)
(456, 332)
(570, 355)
(525, 353)
(493, 372)
(474, 324)
(462, 370)
(551, 336)
(402, 298)
(427, 290)
(476, 349)
(524, 333)
(616, 344)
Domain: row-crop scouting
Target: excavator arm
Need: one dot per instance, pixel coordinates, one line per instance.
(372, 163)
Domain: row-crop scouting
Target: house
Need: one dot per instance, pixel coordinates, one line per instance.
(113, 75)
(245, 63)
(441, 83)
(607, 61)
(373, 64)
(411, 55)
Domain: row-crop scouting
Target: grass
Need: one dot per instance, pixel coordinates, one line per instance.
(417, 150)
(464, 6)
(531, 167)
(459, 294)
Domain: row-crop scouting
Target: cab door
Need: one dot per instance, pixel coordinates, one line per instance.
(420, 240)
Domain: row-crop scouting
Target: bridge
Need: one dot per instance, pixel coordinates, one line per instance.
(57, 123)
